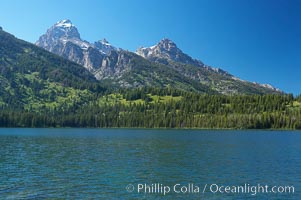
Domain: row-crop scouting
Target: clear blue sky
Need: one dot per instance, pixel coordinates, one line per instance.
(255, 40)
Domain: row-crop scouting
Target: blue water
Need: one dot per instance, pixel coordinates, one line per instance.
(101, 163)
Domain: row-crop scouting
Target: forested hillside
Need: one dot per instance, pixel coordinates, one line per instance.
(31, 76)
(165, 108)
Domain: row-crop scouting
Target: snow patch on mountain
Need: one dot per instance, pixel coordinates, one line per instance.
(66, 23)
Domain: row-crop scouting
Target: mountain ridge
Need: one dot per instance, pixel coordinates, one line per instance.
(107, 62)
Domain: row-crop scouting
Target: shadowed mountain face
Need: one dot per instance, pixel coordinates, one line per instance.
(161, 65)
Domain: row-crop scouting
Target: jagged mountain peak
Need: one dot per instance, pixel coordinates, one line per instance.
(65, 23)
(167, 44)
(104, 41)
(166, 40)
(166, 50)
(164, 44)
(104, 46)
(64, 39)
(63, 29)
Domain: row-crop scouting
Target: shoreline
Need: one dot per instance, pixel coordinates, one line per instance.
(155, 128)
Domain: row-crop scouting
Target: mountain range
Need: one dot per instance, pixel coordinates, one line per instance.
(161, 65)
(41, 89)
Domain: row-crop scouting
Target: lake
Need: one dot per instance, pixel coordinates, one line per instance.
(149, 164)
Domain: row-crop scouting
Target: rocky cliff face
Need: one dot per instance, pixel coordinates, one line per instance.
(113, 66)
(64, 39)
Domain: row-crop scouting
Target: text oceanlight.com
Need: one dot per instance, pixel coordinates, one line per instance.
(192, 188)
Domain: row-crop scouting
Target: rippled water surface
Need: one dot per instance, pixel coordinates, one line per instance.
(101, 163)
